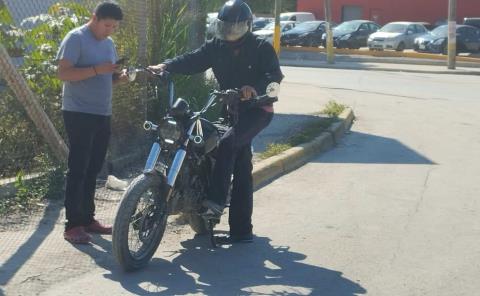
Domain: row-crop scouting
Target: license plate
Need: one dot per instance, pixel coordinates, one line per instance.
(421, 46)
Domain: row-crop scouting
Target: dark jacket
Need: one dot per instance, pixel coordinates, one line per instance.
(256, 63)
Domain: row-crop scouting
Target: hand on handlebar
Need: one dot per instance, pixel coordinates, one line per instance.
(247, 93)
(158, 68)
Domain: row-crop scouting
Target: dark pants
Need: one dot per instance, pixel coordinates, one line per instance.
(88, 136)
(235, 157)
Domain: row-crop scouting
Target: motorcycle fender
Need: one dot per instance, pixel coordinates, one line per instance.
(152, 158)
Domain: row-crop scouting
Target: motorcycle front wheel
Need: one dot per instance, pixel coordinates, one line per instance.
(140, 222)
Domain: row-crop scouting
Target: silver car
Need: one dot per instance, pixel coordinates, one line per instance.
(396, 36)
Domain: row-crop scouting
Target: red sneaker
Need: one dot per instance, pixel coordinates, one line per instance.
(96, 227)
(77, 235)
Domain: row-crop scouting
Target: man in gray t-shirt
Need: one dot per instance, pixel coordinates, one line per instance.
(86, 65)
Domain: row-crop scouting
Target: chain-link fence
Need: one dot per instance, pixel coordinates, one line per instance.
(31, 131)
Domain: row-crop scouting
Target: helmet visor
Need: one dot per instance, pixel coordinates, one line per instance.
(229, 31)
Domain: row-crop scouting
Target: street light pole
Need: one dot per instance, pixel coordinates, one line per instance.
(276, 35)
(328, 28)
(452, 33)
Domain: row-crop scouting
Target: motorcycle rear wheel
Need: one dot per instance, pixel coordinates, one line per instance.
(140, 222)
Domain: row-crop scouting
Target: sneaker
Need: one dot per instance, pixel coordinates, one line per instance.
(77, 235)
(211, 209)
(233, 239)
(96, 227)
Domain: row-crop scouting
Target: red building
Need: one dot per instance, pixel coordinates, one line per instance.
(385, 11)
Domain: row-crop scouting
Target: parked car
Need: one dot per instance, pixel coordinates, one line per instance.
(427, 25)
(472, 21)
(352, 34)
(396, 36)
(260, 23)
(304, 34)
(298, 17)
(268, 31)
(468, 40)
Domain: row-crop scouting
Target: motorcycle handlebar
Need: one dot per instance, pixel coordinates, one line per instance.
(230, 95)
(162, 75)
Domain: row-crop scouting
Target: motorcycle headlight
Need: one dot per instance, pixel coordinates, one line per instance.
(345, 37)
(170, 131)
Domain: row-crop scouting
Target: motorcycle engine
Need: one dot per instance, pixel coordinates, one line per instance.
(190, 187)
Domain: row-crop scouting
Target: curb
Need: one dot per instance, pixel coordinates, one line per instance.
(318, 64)
(273, 167)
(384, 54)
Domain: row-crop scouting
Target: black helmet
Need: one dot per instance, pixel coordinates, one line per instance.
(234, 20)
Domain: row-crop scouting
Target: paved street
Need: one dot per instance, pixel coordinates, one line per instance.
(392, 210)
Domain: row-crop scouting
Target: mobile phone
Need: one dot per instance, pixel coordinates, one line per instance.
(121, 61)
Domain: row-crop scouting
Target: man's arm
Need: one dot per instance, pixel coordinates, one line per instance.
(69, 54)
(194, 62)
(68, 72)
(270, 68)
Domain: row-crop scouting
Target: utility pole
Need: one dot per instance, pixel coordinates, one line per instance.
(276, 35)
(328, 29)
(452, 33)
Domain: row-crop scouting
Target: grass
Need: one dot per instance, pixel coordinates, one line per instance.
(309, 131)
(333, 109)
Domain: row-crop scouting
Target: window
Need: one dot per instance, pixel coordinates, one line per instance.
(373, 27)
(412, 29)
(420, 29)
(363, 27)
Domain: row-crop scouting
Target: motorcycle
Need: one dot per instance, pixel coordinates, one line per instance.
(176, 176)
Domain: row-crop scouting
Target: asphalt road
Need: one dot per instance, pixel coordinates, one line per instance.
(392, 210)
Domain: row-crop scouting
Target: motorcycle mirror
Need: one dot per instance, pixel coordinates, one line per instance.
(273, 89)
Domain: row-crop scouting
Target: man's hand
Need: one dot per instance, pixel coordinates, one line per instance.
(158, 68)
(248, 92)
(105, 68)
(121, 77)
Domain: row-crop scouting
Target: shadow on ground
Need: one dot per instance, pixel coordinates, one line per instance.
(26, 250)
(246, 269)
(371, 149)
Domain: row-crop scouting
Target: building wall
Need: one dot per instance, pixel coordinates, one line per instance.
(384, 11)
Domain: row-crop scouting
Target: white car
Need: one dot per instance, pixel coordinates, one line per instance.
(298, 17)
(268, 31)
(396, 36)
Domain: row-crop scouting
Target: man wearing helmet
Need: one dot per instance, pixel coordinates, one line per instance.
(238, 60)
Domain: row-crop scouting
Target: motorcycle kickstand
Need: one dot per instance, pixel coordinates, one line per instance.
(211, 225)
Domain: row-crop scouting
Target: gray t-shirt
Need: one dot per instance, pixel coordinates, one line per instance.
(92, 95)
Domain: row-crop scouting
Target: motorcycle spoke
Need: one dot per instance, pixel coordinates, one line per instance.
(142, 224)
